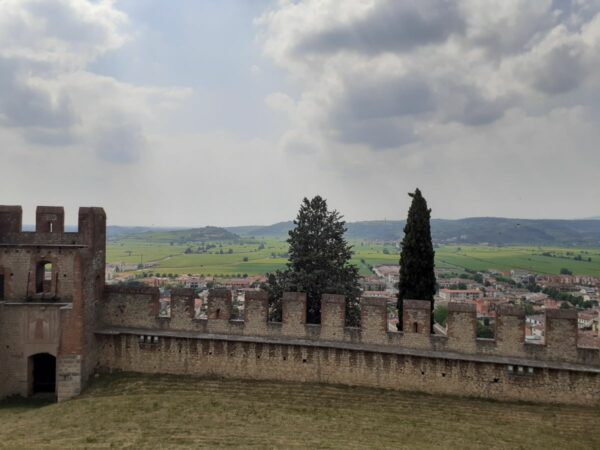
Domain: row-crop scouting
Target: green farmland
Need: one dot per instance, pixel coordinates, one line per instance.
(230, 258)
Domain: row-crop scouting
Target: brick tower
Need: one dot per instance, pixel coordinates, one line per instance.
(50, 282)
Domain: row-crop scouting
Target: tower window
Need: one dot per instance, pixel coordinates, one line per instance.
(43, 277)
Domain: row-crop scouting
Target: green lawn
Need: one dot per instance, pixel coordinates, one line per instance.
(136, 411)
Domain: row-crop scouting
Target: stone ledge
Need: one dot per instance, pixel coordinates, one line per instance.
(490, 359)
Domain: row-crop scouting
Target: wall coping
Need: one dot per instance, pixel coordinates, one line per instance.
(491, 359)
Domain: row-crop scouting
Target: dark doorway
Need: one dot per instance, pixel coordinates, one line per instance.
(44, 373)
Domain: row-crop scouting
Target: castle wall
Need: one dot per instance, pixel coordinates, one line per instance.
(328, 364)
(3, 356)
(25, 330)
(132, 337)
(137, 308)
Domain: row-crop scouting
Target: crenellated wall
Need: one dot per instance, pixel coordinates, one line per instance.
(137, 308)
(262, 359)
(129, 314)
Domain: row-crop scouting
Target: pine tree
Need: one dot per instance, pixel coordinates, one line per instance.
(319, 262)
(417, 276)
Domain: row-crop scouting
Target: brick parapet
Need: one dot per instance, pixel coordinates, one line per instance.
(50, 227)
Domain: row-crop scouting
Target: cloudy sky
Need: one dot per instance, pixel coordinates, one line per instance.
(228, 113)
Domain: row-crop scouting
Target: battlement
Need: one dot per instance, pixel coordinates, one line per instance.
(50, 227)
(127, 308)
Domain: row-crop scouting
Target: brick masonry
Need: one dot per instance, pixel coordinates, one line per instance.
(50, 313)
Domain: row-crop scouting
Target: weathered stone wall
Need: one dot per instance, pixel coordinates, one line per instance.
(3, 356)
(132, 337)
(129, 307)
(25, 330)
(19, 265)
(138, 309)
(328, 364)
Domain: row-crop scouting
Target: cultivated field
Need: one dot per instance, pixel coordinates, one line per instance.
(135, 411)
(269, 255)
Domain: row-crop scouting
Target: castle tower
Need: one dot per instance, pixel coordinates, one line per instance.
(50, 281)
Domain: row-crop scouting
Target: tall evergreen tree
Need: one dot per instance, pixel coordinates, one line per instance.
(319, 262)
(417, 276)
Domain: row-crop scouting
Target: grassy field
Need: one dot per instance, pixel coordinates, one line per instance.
(271, 256)
(135, 411)
(544, 260)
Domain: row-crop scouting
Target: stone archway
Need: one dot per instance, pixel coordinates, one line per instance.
(42, 373)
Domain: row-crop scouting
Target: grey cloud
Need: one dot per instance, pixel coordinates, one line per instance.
(391, 26)
(25, 105)
(560, 71)
(57, 137)
(379, 112)
(65, 22)
(120, 143)
(382, 113)
(465, 104)
(379, 134)
(389, 97)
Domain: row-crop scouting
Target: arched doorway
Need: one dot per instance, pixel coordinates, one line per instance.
(43, 373)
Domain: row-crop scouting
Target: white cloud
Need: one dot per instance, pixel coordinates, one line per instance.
(49, 94)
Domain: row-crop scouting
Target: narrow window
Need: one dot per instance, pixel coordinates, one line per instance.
(416, 327)
(43, 278)
(51, 226)
(1, 287)
(218, 313)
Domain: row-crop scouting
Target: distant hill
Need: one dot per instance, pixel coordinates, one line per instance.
(501, 231)
(117, 231)
(183, 235)
(475, 230)
(277, 230)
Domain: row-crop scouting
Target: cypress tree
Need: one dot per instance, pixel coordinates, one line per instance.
(319, 262)
(417, 276)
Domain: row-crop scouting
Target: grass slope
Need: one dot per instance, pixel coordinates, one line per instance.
(135, 411)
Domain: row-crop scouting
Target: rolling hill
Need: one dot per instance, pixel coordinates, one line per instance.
(176, 236)
(475, 230)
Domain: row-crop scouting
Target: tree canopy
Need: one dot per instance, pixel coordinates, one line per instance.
(417, 276)
(319, 262)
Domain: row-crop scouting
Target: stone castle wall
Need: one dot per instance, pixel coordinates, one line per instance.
(131, 336)
(315, 362)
